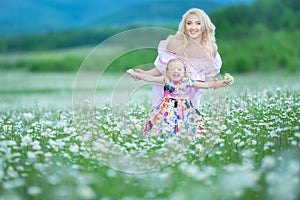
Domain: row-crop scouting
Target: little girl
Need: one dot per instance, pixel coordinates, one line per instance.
(175, 110)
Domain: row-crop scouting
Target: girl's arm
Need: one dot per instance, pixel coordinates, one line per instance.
(146, 77)
(210, 84)
(207, 78)
(152, 72)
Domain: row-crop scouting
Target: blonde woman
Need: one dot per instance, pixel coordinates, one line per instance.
(195, 44)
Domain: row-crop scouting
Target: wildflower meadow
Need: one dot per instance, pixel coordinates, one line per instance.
(49, 153)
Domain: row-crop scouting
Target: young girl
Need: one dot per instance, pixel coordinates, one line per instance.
(175, 110)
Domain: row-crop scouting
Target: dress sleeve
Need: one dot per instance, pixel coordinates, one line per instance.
(216, 64)
(191, 82)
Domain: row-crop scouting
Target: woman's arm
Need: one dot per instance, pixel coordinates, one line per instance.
(146, 77)
(210, 84)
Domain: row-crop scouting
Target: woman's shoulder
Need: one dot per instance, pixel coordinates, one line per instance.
(175, 43)
(176, 39)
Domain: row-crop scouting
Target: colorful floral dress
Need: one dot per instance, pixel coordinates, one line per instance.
(175, 112)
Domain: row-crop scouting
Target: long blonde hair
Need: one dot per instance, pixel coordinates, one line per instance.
(208, 35)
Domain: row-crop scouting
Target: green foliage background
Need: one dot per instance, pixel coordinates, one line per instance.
(263, 36)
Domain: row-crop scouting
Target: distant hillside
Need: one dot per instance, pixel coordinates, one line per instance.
(262, 36)
(21, 17)
(232, 22)
(161, 13)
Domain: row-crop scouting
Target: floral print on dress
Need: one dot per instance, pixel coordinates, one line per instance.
(175, 112)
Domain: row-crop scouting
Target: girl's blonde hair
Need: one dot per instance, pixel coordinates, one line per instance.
(166, 77)
(208, 28)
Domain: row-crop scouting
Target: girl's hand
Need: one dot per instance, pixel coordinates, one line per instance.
(225, 83)
(133, 74)
(130, 72)
(221, 83)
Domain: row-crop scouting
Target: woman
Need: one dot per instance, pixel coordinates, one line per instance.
(195, 44)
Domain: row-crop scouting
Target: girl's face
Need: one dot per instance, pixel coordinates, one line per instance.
(193, 26)
(176, 71)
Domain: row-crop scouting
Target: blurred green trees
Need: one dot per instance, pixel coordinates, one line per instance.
(243, 20)
(261, 36)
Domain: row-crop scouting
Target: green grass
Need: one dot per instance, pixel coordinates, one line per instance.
(263, 52)
(49, 153)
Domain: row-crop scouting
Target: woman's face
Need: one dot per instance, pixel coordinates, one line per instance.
(193, 26)
(176, 71)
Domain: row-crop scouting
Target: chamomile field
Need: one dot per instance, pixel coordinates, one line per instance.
(48, 151)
